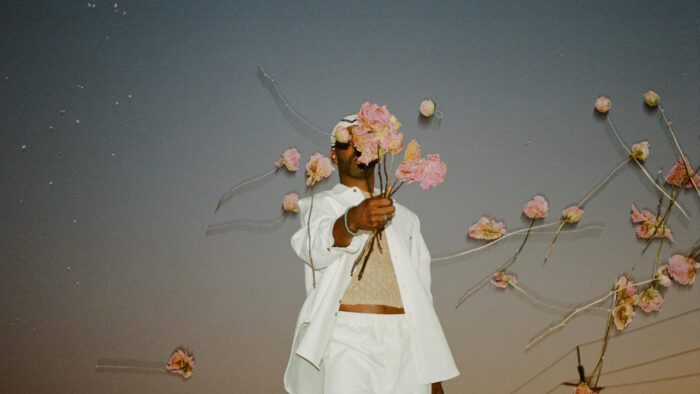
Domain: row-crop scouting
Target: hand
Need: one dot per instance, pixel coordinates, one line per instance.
(370, 214)
(436, 388)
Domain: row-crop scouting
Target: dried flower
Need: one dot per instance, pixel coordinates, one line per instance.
(648, 223)
(572, 214)
(602, 104)
(651, 300)
(434, 171)
(501, 279)
(412, 151)
(678, 176)
(427, 108)
(662, 276)
(290, 159)
(395, 123)
(181, 362)
(410, 171)
(622, 315)
(651, 98)
(487, 229)
(625, 289)
(318, 168)
(537, 208)
(682, 269)
(290, 202)
(640, 151)
(583, 388)
(395, 144)
(342, 135)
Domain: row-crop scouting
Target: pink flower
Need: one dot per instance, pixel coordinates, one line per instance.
(625, 288)
(678, 176)
(487, 229)
(368, 146)
(412, 151)
(318, 168)
(640, 151)
(682, 269)
(572, 214)
(374, 117)
(536, 208)
(648, 222)
(434, 171)
(427, 108)
(290, 202)
(602, 104)
(651, 98)
(651, 300)
(662, 276)
(342, 135)
(501, 279)
(622, 315)
(181, 362)
(410, 171)
(290, 159)
(395, 144)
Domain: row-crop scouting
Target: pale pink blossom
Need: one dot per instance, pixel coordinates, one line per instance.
(434, 171)
(368, 146)
(678, 175)
(602, 104)
(682, 269)
(487, 229)
(342, 135)
(662, 276)
(318, 168)
(395, 144)
(501, 279)
(625, 288)
(651, 98)
(572, 214)
(412, 151)
(410, 171)
(640, 151)
(375, 118)
(648, 223)
(290, 159)
(622, 315)
(181, 362)
(290, 202)
(427, 108)
(651, 300)
(537, 208)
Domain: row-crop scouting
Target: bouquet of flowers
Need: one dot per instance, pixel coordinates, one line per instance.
(376, 137)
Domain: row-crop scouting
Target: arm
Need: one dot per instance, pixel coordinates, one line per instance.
(436, 388)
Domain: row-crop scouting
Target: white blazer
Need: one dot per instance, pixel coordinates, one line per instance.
(316, 321)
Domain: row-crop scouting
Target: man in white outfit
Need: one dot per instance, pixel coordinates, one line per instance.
(377, 335)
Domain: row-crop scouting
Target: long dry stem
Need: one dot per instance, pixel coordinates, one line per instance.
(227, 196)
(607, 178)
(599, 365)
(683, 157)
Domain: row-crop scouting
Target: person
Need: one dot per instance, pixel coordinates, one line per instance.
(379, 334)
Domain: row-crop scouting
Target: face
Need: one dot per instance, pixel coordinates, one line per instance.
(345, 157)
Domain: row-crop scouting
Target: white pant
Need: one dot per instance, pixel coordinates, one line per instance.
(370, 354)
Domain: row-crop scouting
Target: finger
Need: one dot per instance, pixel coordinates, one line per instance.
(383, 211)
(380, 202)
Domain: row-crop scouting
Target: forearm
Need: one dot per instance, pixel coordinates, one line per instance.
(341, 236)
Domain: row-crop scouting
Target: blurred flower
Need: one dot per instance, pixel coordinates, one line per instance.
(410, 171)
(182, 363)
(487, 229)
(679, 176)
(434, 171)
(583, 388)
(427, 108)
(318, 168)
(342, 135)
(572, 214)
(412, 151)
(662, 276)
(537, 208)
(368, 146)
(395, 144)
(648, 223)
(622, 315)
(651, 300)
(290, 159)
(501, 279)
(640, 151)
(395, 123)
(625, 288)
(290, 202)
(375, 118)
(682, 269)
(651, 98)
(602, 104)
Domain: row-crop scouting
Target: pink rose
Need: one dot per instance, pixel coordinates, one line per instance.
(433, 172)
(651, 300)
(290, 159)
(572, 214)
(682, 269)
(678, 176)
(487, 229)
(537, 208)
(651, 98)
(602, 104)
(318, 168)
(427, 108)
(640, 151)
(290, 202)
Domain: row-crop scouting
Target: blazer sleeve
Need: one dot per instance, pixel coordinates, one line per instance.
(321, 247)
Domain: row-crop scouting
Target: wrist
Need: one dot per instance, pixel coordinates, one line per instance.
(349, 227)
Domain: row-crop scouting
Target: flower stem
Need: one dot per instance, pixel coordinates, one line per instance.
(599, 365)
(607, 178)
(675, 140)
(551, 246)
(227, 196)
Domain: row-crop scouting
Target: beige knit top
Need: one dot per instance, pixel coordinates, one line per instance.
(378, 285)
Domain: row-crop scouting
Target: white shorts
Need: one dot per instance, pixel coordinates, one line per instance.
(370, 354)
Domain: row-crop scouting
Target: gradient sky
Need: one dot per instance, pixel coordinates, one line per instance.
(104, 253)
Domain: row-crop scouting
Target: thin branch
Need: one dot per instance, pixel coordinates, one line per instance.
(229, 194)
(686, 162)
